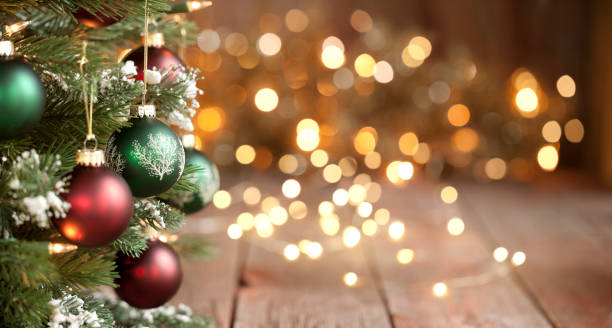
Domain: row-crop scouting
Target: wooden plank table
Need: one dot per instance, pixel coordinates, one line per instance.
(565, 282)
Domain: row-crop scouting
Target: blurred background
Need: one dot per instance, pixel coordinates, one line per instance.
(406, 89)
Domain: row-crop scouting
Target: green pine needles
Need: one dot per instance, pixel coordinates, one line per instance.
(40, 288)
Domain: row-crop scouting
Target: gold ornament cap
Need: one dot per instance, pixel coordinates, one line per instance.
(88, 157)
(156, 39)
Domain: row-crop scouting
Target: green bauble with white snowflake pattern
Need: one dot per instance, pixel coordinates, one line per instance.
(207, 180)
(148, 155)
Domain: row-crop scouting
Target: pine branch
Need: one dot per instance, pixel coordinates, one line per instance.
(194, 246)
(84, 269)
(133, 242)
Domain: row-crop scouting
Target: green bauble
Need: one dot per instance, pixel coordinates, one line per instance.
(22, 98)
(148, 155)
(207, 181)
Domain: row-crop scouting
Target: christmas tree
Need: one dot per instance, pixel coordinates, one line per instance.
(74, 218)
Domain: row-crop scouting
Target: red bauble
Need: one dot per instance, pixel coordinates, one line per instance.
(150, 280)
(160, 57)
(101, 207)
(95, 21)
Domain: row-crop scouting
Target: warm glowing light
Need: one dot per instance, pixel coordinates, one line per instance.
(288, 164)
(407, 58)
(574, 131)
(405, 256)
(382, 216)
(365, 140)
(350, 279)
(458, 115)
(348, 165)
(383, 72)
(405, 170)
(291, 188)
(308, 139)
(526, 100)
(518, 258)
(59, 248)
(419, 47)
(351, 236)
(369, 227)
(210, 119)
(251, 195)
(296, 20)
(298, 210)
(266, 100)
(465, 140)
(548, 158)
(222, 199)
(500, 254)
(495, 168)
(440, 289)
(372, 160)
(326, 208)
(314, 250)
(236, 44)
(246, 221)
(234, 231)
(364, 209)
(423, 153)
(393, 172)
(208, 41)
(551, 131)
(268, 203)
(245, 154)
(408, 143)
(340, 197)
(455, 226)
(307, 124)
(330, 225)
(332, 57)
(319, 158)
(333, 41)
(566, 86)
(396, 230)
(269, 44)
(361, 21)
(449, 194)
(332, 173)
(278, 215)
(291, 252)
(364, 65)
(357, 194)
(264, 228)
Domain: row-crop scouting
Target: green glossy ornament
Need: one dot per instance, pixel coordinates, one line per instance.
(148, 155)
(207, 180)
(22, 98)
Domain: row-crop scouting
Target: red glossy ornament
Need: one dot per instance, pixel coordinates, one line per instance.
(94, 21)
(150, 280)
(101, 207)
(160, 57)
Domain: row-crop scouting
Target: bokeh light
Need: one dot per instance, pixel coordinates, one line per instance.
(527, 101)
(455, 226)
(291, 252)
(566, 86)
(266, 100)
(458, 115)
(291, 188)
(350, 279)
(518, 258)
(449, 194)
(296, 20)
(396, 230)
(574, 131)
(222, 199)
(405, 256)
(500, 254)
(548, 158)
(351, 236)
(551, 131)
(234, 231)
(440, 289)
(269, 44)
(364, 65)
(298, 210)
(245, 154)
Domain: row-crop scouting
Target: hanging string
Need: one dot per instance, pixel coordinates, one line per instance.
(146, 52)
(88, 104)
